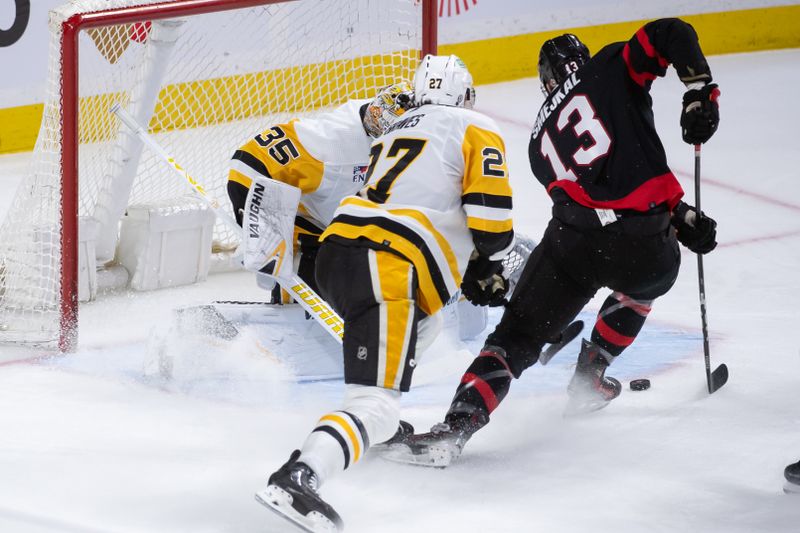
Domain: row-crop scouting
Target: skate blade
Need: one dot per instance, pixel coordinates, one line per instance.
(279, 501)
(580, 407)
(437, 456)
(791, 488)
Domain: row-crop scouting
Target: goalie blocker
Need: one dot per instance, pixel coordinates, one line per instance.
(268, 226)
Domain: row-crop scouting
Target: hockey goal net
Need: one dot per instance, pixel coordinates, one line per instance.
(204, 75)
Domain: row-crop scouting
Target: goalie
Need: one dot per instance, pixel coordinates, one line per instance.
(296, 173)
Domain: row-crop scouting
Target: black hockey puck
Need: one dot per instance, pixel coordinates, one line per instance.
(640, 384)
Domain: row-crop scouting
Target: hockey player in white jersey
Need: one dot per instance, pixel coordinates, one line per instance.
(325, 157)
(435, 215)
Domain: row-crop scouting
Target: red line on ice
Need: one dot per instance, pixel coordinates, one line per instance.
(739, 190)
(714, 183)
(752, 240)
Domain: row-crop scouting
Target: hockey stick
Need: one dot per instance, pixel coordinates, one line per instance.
(302, 293)
(567, 336)
(719, 376)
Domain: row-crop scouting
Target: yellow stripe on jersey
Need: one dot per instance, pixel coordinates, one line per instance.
(304, 231)
(429, 298)
(241, 179)
(490, 226)
(349, 430)
(395, 274)
(420, 218)
(493, 186)
(285, 158)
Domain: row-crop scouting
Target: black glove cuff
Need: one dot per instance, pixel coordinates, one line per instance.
(708, 93)
(681, 215)
(483, 268)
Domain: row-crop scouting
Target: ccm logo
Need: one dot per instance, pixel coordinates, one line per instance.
(21, 17)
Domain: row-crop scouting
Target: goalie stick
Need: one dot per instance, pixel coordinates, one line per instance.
(300, 291)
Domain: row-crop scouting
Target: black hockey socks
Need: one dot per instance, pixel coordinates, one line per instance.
(619, 321)
(483, 386)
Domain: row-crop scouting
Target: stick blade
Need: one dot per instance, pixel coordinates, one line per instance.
(719, 377)
(570, 332)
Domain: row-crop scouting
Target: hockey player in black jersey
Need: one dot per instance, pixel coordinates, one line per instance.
(616, 222)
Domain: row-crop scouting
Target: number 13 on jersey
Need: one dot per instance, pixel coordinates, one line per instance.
(586, 123)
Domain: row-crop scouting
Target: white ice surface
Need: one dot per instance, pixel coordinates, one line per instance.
(88, 445)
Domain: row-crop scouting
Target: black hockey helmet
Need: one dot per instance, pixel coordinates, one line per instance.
(558, 58)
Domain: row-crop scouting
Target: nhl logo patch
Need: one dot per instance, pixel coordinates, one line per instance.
(360, 173)
(362, 353)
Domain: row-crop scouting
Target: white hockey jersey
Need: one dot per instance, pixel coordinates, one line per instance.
(326, 157)
(437, 189)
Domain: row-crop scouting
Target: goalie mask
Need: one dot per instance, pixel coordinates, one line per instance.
(444, 80)
(387, 106)
(558, 58)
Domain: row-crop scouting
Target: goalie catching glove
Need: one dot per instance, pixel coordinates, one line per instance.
(695, 231)
(483, 282)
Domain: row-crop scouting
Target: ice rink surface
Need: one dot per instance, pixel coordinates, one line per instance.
(87, 444)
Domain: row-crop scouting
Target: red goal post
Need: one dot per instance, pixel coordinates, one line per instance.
(70, 133)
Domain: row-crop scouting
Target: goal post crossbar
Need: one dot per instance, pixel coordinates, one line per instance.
(71, 29)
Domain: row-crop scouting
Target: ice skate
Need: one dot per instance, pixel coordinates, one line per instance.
(589, 389)
(792, 475)
(292, 493)
(437, 448)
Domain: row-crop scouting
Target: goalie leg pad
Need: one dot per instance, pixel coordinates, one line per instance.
(428, 329)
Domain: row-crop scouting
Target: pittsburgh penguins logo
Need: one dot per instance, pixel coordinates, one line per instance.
(23, 14)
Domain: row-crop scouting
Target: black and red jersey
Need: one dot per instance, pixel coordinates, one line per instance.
(595, 135)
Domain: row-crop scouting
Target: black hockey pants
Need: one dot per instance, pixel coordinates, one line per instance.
(637, 256)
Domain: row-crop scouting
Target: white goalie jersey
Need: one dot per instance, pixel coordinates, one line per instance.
(437, 189)
(326, 157)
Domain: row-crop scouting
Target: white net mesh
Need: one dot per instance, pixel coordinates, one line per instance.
(205, 84)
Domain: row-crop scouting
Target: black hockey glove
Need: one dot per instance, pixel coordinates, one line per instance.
(700, 115)
(483, 282)
(697, 233)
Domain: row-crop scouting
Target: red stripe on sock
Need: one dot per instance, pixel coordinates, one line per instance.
(491, 353)
(610, 335)
(483, 389)
(638, 307)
